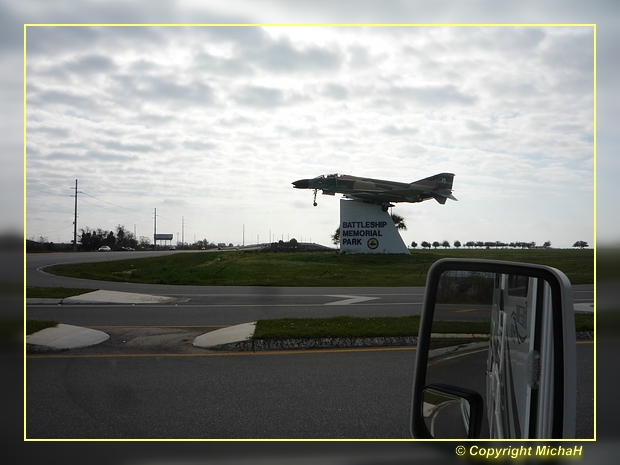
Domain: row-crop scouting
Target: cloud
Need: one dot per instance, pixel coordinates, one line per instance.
(258, 96)
(125, 147)
(283, 57)
(435, 96)
(335, 91)
(399, 131)
(91, 64)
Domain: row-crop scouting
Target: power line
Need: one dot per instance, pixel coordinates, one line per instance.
(109, 203)
(48, 192)
(28, 181)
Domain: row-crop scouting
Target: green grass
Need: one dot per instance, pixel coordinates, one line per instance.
(53, 292)
(584, 322)
(462, 327)
(313, 269)
(347, 327)
(336, 327)
(32, 326)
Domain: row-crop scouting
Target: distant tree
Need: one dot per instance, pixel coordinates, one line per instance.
(414, 244)
(445, 244)
(120, 234)
(457, 244)
(125, 238)
(580, 244)
(399, 222)
(426, 245)
(336, 237)
(547, 244)
(470, 244)
(436, 244)
(110, 240)
(92, 239)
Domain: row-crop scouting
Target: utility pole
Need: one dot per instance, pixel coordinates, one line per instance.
(155, 230)
(182, 232)
(75, 220)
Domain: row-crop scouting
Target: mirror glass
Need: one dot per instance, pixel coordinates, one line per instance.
(445, 415)
(485, 337)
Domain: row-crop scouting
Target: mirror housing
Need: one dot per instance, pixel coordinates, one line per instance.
(546, 376)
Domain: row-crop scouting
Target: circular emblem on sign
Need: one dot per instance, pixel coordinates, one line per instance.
(372, 243)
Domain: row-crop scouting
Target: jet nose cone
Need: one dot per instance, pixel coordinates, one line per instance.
(301, 184)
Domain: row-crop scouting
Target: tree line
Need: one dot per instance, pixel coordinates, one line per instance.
(92, 239)
(481, 244)
(490, 245)
(121, 238)
(118, 239)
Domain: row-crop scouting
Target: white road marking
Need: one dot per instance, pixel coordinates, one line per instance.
(349, 299)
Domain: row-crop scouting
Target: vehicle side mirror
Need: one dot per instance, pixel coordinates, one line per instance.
(496, 353)
(451, 412)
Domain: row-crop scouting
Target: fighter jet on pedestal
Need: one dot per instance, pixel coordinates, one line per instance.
(379, 192)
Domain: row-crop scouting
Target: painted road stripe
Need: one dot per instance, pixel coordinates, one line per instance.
(350, 299)
(233, 354)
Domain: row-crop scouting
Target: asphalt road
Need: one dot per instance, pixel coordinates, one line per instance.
(292, 394)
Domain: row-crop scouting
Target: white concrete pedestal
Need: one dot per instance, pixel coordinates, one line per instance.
(366, 228)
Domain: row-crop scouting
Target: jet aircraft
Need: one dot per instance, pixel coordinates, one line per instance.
(379, 192)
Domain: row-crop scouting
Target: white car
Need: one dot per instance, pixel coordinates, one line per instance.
(105, 248)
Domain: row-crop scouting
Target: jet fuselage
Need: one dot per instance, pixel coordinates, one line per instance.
(382, 192)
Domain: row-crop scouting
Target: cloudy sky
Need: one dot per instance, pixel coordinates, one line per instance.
(210, 125)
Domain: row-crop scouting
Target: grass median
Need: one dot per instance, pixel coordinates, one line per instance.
(349, 327)
(33, 325)
(33, 292)
(312, 269)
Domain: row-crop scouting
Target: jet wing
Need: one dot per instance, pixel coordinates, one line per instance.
(410, 195)
(388, 197)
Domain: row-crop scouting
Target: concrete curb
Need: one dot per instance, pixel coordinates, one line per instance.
(116, 297)
(316, 343)
(237, 334)
(64, 337)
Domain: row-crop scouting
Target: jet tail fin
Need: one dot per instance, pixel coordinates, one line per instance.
(441, 181)
(439, 186)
